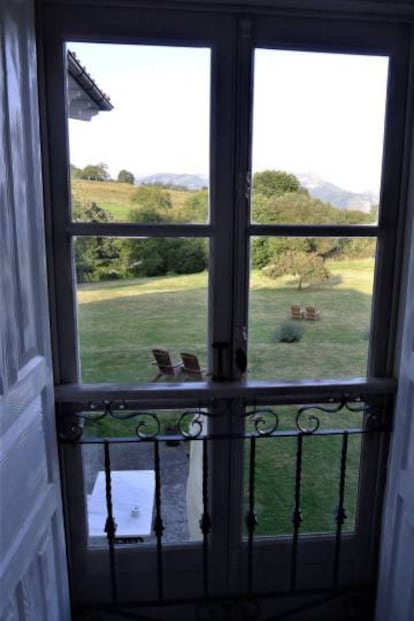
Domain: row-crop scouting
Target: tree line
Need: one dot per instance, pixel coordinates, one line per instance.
(277, 198)
(99, 172)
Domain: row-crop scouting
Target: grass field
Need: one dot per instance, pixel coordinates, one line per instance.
(121, 321)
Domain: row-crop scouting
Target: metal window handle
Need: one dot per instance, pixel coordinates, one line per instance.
(241, 360)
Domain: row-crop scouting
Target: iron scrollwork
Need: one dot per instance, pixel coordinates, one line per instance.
(195, 421)
(190, 424)
(265, 420)
(351, 403)
(72, 425)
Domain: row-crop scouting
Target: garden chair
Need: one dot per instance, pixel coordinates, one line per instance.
(164, 364)
(296, 312)
(191, 367)
(311, 314)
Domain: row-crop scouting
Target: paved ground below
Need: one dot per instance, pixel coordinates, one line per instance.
(140, 456)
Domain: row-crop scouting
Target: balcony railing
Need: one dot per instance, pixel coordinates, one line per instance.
(341, 422)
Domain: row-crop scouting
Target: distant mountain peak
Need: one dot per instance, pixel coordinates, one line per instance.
(338, 197)
(317, 187)
(187, 180)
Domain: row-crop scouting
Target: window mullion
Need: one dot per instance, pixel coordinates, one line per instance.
(314, 230)
(244, 106)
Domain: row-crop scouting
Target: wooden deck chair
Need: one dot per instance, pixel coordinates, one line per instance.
(296, 312)
(191, 367)
(164, 364)
(311, 314)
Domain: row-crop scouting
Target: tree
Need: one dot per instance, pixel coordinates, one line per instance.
(124, 176)
(186, 256)
(300, 208)
(307, 267)
(95, 172)
(146, 257)
(96, 258)
(83, 211)
(157, 256)
(75, 172)
(373, 212)
(195, 208)
(273, 183)
(152, 197)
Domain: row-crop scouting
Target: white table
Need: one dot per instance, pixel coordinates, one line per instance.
(132, 503)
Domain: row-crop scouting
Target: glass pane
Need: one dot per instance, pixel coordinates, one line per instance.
(142, 303)
(141, 153)
(318, 130)
(133, 465)
(276, 468)
(310, 307)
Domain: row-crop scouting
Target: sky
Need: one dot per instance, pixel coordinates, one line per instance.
(313, 113)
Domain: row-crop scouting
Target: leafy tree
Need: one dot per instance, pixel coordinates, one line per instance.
(373, 212)
(95, 172)
(273, 183)
(307, 267)
(96, 258)
(83, 211)
(152, 197)
(195, 208)
(146, 257)
(157, 256)
(186, 256)
(75, 172)
(300, 208)
(124, 176)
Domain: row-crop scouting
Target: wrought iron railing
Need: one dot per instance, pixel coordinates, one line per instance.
(262, 422)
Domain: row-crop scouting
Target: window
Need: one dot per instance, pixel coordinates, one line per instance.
(259, 475)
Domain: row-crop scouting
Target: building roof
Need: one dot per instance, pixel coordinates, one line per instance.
(86, 99)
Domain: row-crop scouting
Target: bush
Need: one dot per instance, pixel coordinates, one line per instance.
(195, 208)
(187, 256)
(152, 197)
(289, 332)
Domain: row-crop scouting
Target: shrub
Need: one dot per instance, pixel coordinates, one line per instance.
(152, 197)
(289, 332)
(187, 256)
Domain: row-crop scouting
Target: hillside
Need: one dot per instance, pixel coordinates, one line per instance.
(317, 188)
(116, 197)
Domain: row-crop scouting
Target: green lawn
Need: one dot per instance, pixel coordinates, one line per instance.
(121, 321)
(275, 475)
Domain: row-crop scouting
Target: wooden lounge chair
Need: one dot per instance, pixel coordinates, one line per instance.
(191, 367)
(164, 364)
(311, 314)
(296, 312)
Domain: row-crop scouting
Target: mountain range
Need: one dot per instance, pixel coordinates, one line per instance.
(336, 196)
(317, 188)
(191, 182)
